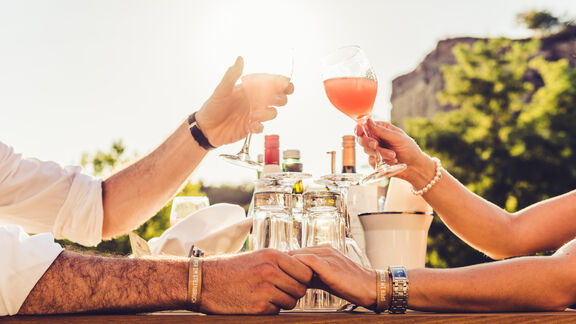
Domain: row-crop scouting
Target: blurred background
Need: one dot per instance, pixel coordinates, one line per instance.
(489, 87)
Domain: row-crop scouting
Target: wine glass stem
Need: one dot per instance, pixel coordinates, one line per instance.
(379, 159)
(344, 194)
(246, 145)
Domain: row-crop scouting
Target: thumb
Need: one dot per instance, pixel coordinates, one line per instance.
(229, 80)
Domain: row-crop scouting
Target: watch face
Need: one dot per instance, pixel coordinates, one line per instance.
(399, 273)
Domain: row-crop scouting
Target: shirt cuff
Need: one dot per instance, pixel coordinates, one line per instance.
(81, 216)
(23, 261)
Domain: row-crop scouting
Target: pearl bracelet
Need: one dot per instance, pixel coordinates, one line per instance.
(432, 182)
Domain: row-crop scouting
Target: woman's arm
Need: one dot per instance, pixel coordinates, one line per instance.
(521, 284)
(480, 223)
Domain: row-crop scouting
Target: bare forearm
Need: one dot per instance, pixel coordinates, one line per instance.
(523, 284)
(78, 283)
(491, 229)
(477, 221)
(136, 193)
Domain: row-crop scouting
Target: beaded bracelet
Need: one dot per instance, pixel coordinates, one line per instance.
(194, 283)
(432, 182)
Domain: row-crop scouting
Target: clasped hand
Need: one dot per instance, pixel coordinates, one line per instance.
(265, 281)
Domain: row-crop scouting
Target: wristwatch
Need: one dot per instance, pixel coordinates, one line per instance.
(399, 300)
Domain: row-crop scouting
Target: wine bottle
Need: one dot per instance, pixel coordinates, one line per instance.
(348, 154)
(291, 163)
(271, 154)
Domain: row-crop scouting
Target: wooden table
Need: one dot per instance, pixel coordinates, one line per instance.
(348, 318)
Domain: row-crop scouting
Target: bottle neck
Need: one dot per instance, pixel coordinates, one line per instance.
(348, 160)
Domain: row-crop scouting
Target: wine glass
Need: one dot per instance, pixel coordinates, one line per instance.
(263, 78)
(185, 205)
(351, 86)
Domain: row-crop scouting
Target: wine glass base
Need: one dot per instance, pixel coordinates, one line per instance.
(294, 176)
(383, 171)
(242, 160)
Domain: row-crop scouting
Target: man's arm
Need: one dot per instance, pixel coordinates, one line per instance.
(77, 283)
(258, 282)
(134, 194)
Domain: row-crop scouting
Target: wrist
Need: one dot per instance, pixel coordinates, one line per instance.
(371, 293)
(421, 171)
(199, 131)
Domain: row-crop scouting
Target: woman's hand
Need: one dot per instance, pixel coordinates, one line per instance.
(339, 275)
(395, 146)
(226, 117)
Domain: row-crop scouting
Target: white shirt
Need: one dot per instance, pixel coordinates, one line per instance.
(40, 197)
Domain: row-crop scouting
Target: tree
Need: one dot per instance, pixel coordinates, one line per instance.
(513, 139)
(541, 21)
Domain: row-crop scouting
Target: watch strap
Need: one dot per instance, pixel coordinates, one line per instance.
(399, 300)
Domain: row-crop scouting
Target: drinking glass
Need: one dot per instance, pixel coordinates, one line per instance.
(351, 86)
(286, 181)
(263, 78)
(186, 205)
(342, 182)
(271, 220)
(322, 224)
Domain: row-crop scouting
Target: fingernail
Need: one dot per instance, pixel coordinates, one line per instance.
(373, 145)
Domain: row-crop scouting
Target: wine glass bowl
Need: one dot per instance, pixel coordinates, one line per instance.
(351, 86)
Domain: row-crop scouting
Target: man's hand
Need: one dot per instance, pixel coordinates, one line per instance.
(339, 275)
(226, 117)
(261, 282)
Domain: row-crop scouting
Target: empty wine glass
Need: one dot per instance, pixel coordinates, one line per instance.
(265, 76)
(351, 86)
(186, 205)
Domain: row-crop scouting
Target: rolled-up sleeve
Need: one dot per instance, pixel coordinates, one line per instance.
(23, 261)
(44, 197)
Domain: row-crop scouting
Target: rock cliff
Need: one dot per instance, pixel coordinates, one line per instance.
(414, 94)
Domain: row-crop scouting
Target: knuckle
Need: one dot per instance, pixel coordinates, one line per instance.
(260, 307)
(266, 270)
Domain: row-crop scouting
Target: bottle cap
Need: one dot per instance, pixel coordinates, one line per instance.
(348, 140)
(291, 154)
(271, 140)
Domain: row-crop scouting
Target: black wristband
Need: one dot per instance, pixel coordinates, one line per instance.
(198, 134)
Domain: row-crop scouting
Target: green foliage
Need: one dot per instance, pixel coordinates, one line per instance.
(513, 138)
(542, 21)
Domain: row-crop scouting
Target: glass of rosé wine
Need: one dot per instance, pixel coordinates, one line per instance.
(264, 77)
(351, 86)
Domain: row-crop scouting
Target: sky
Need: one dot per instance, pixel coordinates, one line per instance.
(76, 75)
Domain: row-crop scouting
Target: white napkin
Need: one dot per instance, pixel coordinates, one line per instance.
(401, 198)
(217, 229)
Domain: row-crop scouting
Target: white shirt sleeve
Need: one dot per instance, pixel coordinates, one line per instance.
(44, 197)
(23, 261)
